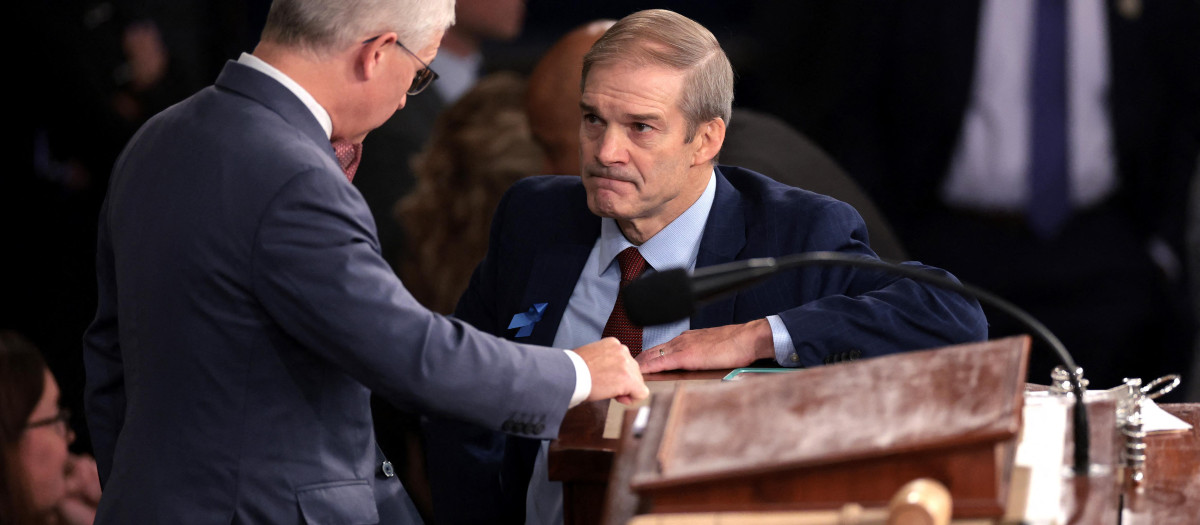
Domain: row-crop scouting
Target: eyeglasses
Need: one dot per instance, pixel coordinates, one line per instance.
(61, 420)
(423, 78)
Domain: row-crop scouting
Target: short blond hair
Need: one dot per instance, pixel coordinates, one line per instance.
(667, 38)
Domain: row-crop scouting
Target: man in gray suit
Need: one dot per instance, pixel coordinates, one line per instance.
(245, 313)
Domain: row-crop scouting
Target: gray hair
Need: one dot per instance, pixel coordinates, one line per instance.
(661, 37)
(322, 26)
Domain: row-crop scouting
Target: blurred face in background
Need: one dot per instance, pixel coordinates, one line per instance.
(43, 449)
(500, 20)
(552, 99)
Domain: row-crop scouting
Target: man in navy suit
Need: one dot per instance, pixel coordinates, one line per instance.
(657, 94)
(245, 312)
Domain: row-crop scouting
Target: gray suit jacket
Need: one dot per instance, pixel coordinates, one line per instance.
(244, 316)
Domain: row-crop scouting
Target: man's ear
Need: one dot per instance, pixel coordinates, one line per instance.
(709, 138)
(370, 55)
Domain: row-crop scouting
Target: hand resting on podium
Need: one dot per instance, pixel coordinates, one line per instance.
(730, 346)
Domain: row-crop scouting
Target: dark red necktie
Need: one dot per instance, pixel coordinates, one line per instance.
(619, 325)
(348, 156)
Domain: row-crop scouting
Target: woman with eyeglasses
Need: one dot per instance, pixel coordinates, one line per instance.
(40, 481)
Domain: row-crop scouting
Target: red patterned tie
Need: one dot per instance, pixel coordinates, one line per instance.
(348, 156)
(619, 326)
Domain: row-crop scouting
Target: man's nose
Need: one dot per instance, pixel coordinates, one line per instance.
(612, 148)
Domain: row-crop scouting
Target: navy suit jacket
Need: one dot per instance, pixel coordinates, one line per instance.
(542, 235)
(245, 315)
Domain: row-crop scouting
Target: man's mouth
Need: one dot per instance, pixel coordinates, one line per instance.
(609, 175)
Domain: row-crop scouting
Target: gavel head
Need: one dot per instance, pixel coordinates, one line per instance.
(922, 501)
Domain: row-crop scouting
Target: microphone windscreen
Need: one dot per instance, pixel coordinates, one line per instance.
(658, 298)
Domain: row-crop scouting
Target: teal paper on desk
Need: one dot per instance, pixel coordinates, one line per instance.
(737, 373)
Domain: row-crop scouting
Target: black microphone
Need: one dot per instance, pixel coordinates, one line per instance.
(670, 295)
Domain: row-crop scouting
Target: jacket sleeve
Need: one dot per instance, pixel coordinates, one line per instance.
(104, 393)
(861, 312)
(318, 273)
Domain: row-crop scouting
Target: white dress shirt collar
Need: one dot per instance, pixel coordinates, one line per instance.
(319, 112)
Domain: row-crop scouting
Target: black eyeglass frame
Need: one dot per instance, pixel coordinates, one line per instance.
(63, 418)
(423, 77)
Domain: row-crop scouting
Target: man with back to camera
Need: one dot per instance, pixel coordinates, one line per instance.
(657, 94)
(245, 313)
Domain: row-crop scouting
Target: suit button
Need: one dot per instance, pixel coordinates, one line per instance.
(507, 426)
(387, 469)
(525, 428)
(538, 428)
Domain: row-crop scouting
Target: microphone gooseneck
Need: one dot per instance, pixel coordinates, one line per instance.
(671, 295)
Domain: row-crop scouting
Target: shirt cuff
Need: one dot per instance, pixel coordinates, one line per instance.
(583, 379)
(785, 351)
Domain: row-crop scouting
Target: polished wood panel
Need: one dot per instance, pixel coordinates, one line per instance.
(852, 432)
(1170, 493)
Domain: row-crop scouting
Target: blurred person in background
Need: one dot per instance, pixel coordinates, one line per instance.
(552, 99)
(480, 146)
(1042, 150)
(40, 481)
(94, 72)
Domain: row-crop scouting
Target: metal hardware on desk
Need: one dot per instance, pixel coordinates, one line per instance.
(1129, 416)
(641, 420)
(1164, 385)
(1060, 380)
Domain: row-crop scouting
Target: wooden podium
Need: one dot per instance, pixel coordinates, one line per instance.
(822, 437)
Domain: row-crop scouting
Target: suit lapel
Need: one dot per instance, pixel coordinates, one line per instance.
(555, 268)
(724, 237)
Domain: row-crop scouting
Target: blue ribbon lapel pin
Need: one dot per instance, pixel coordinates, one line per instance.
(526, 320)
